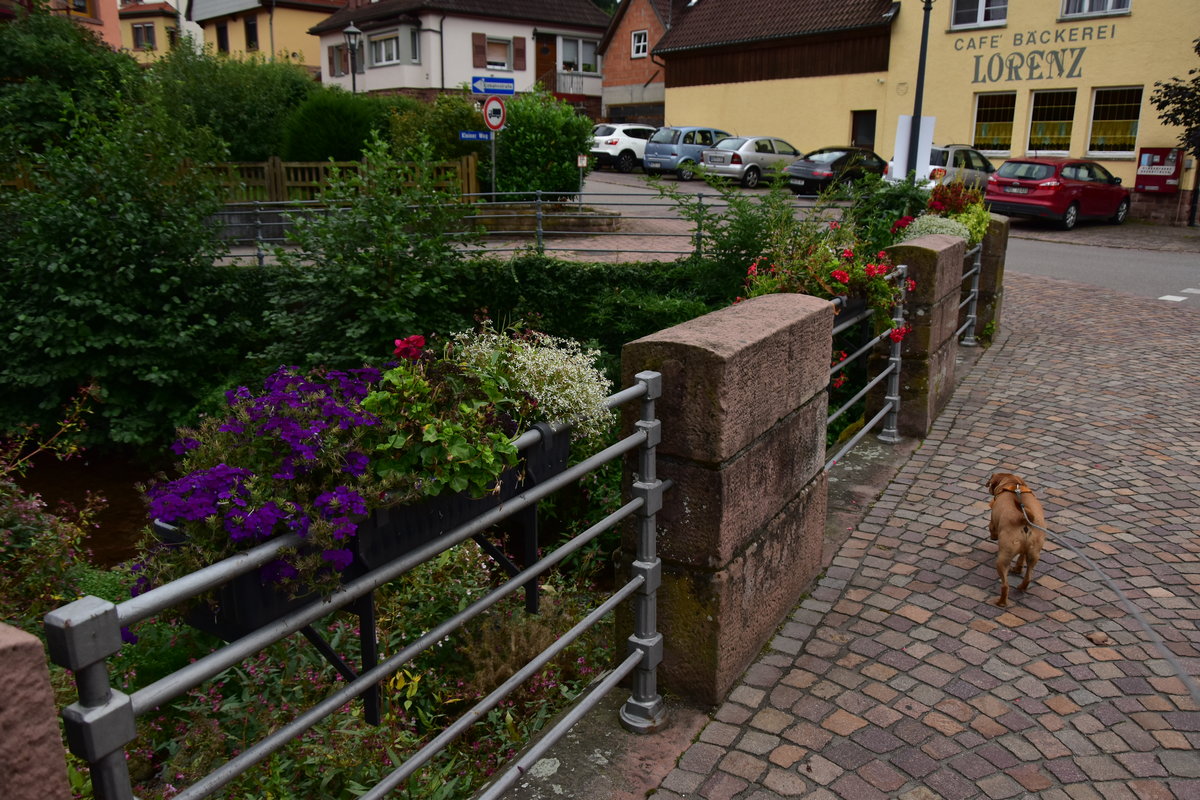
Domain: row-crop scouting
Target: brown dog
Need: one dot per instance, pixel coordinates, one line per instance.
(1017, 523)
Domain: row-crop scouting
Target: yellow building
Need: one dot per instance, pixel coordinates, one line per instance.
(1011, 77)
(148, 30)
(273, 29)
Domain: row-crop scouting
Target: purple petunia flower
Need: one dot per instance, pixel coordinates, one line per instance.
(356, 463)
(278, 571)
(340, 559)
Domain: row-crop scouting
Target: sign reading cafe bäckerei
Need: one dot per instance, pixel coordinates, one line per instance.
(1050, 54)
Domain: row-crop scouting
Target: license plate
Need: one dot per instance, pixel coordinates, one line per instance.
(798, 182)
(716, 159)
(654, 164)
(1017, 189)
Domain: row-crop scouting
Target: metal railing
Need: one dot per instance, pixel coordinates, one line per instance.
(971, 300)
(82, 635)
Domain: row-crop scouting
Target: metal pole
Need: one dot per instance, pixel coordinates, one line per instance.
(891, 432)
(968, 339)
(537, 200)
(644, 711)
(915, 131)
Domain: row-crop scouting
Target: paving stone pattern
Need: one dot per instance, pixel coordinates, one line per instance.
(898, 677)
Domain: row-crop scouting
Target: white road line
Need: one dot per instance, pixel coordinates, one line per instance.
(1191, 291)
(1174, 298)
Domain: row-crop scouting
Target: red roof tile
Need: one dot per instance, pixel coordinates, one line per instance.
(577, 13)
(709, 23)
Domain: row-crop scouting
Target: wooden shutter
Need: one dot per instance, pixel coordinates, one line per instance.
(333, 67)
(479, 49)
(518, 52)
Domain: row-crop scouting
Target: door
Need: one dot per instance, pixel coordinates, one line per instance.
(862, 129)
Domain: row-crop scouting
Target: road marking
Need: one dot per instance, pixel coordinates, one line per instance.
(1174, 298)
(1191, 291)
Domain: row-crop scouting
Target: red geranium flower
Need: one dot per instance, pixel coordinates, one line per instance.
(840, 275)
(410, 347)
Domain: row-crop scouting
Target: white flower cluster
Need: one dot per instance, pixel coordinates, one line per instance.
(929, 223)
(559, 373)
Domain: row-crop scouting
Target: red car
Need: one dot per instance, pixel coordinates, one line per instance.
(1062, 189)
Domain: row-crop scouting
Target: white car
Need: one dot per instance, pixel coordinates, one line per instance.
(620, 145)
(954, 162)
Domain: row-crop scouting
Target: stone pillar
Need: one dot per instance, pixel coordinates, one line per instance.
(991, 278)
(935, 262)
(743, 441)
(33, 763)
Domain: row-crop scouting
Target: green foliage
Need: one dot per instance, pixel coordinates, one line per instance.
(977, 218)
(439, 122)
(538, 148)
(876, 205)
(381, 263)
(334, 124)
(109, 275)
(52, 69)
(244, 102)
(1178, 103)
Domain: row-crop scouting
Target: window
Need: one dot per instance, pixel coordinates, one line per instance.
(970, 13)
(499, 54)
(172, 37)
(385, 50)
(84, 8)
(1084, 8)
(339, 60)
(506, 54)
(1051, 119)
(994, 121)
(222, 38)
(414, 41)
(143, 36)
(1115, 115)
(640, 47)
(251, 28)
(579, 55)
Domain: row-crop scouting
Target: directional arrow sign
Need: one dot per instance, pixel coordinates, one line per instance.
(482, 84)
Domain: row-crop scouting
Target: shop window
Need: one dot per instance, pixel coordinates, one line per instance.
(579, 55)
(385, 50)
(250, 25)
(994, 122)
(1050, 122)
(1086, 8)
(641, 44)
(1115, 114)
(972, 13)
(143, 36)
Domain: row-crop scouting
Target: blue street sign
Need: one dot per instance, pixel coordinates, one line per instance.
(482, 84)
(474, 136)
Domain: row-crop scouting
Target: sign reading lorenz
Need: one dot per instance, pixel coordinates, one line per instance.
(1035, 63)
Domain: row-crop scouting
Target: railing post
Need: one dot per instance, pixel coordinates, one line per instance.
(80, 636)
(968, 340)
(259, 254)
(541, 247)
(644, 711)
(699, 248)
(891, 427)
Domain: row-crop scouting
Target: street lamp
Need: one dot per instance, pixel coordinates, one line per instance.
(915, 131)
(352, 35)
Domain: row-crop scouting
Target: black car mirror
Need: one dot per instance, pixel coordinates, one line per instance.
(1116, 181)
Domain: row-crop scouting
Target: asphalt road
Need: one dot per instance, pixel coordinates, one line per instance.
(1172, 277)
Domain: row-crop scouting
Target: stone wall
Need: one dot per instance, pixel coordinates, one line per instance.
(33, 762)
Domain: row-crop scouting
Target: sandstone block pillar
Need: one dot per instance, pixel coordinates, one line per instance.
(743, 441)
(991, 276)
(33, 763)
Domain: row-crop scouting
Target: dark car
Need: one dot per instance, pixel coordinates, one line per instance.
(1065, 190)
(820, 168)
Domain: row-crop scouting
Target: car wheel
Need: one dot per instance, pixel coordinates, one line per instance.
(626, 161)
(686, 171)
(1122, 211)
(1069, 217)
(751, 177)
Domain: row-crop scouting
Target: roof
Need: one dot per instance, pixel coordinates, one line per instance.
(713, 23)
(201, 10)
(573, 13)
(140, 9)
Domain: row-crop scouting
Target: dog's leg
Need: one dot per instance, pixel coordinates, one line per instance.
(1019, 568)
(1002, 565)
(1033, 559)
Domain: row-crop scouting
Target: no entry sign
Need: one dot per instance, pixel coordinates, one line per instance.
(493, 113)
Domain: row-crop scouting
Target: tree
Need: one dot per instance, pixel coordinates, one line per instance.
(50, 70)
(334, 124)
(1178, 103)
(245, 103)
(538, 148)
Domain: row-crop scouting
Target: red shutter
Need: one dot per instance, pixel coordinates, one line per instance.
(518, 52)
(479, 49)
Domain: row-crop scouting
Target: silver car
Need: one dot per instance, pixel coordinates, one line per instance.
(748, 158)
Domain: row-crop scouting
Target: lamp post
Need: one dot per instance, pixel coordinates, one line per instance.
(915, 132)
(352, 35)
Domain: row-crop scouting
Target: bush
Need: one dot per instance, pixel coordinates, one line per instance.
(538, 148)
(439, 123)
(244, 102)
(109, 273)
(334, 124)
(877, 205)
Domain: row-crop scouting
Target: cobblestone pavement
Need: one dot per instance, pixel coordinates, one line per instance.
(897, 677)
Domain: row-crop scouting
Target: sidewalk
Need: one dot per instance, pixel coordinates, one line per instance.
(898, 678)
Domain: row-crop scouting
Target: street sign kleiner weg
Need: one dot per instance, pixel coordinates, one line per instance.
(494, 113)
(483, 84)
(474, 136)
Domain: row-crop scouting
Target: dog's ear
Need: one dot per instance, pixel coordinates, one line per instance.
(994, 481)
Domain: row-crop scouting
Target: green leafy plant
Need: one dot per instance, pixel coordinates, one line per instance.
(335, 124)
(877, 205)
(537, 149)
(439, 123)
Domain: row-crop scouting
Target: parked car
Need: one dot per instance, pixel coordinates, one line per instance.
(820, 168)
(678, 150)
(748, 158)
(954, 162)
(1062, 189)
(620, 145)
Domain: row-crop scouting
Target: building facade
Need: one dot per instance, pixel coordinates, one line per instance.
(273, 29)
(1011, 77)
(423, 47)
(634, 81)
